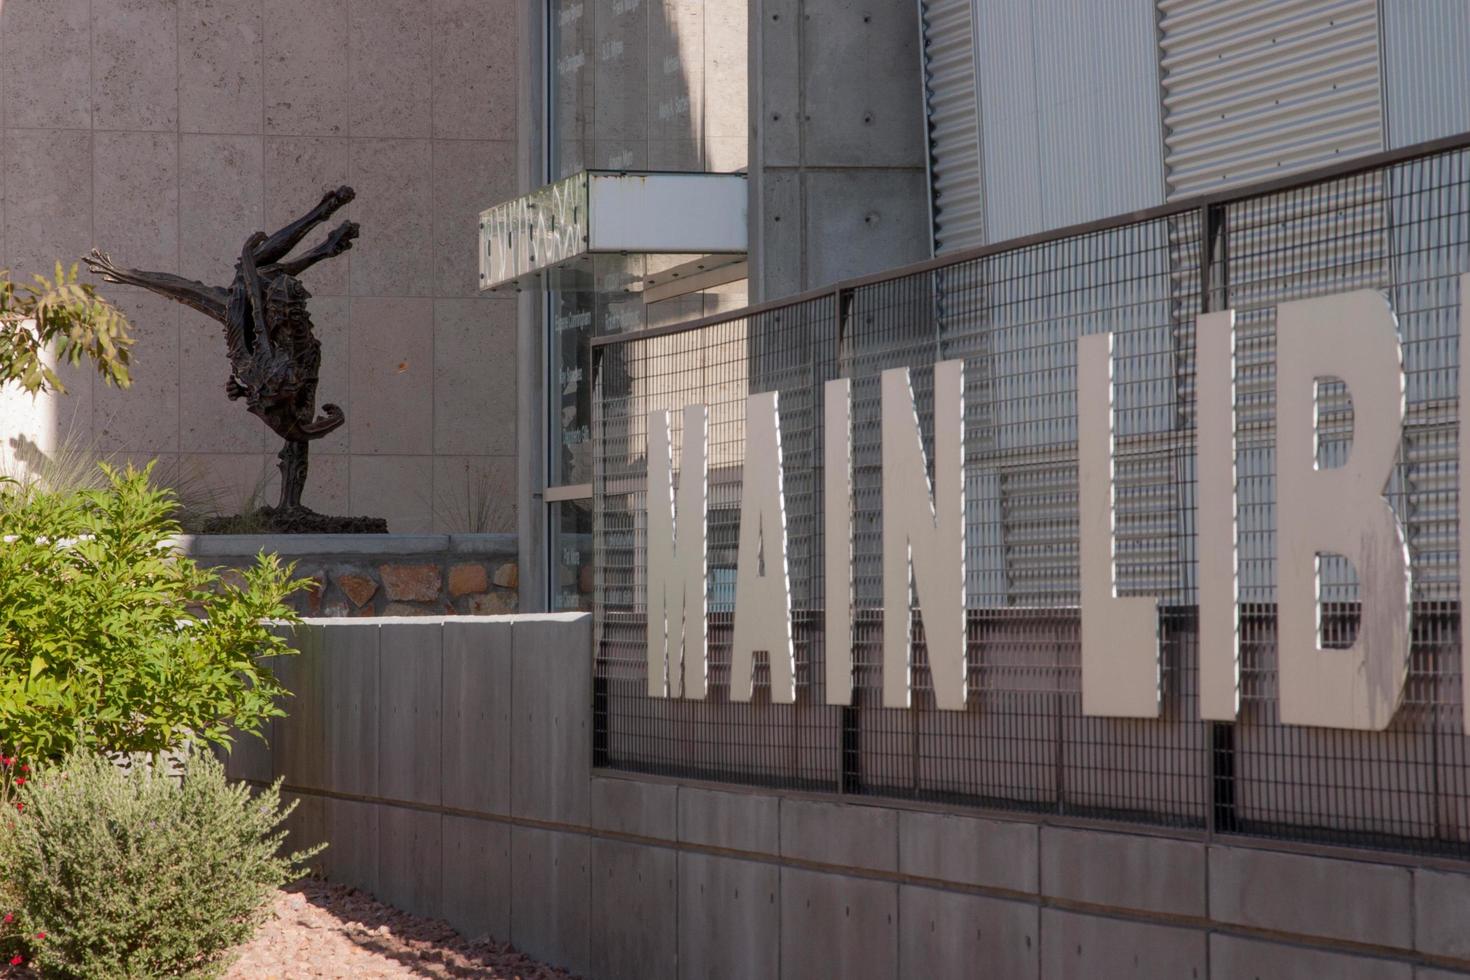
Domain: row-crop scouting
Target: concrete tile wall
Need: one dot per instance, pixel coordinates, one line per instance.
(838, 186)
(512, 834)
(166, 131)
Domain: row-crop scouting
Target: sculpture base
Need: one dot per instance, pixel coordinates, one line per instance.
(299, 520)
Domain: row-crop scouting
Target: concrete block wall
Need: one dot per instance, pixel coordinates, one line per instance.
(166, 131)
(448, 764)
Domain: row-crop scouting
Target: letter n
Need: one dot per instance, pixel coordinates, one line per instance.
(924, 536)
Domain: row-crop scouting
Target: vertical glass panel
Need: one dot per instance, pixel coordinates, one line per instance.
(569, 388)
(571, 537)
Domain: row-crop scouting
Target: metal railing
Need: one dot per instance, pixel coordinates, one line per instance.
(1397, 222)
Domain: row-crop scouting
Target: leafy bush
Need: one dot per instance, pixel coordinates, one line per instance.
(110, 641)
(63, 316)
(130, 874)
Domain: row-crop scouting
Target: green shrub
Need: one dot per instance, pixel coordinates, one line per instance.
(65, 318)
(112, 642)
(133, 874)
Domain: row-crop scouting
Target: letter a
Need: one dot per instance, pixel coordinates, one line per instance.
(762, 587)
(677, 611)
(1354, 337)
(924, 536)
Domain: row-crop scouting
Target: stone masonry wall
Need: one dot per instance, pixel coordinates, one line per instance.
(383, 575)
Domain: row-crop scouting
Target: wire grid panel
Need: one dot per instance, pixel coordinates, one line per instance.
(1013, 317)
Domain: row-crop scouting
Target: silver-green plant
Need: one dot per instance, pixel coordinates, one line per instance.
(128, 873)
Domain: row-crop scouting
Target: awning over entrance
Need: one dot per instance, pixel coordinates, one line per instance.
(554, 237)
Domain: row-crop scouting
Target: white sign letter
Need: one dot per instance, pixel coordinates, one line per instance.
(837, 529)
(924, 536)
(1214, 468)
(1120, 634)
(762, 586)
(1353, 337)
(677, 610)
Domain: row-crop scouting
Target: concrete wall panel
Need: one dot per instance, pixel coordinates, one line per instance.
(551, 913)
(1089, 947)
(1311, 896)
(1152, 874)
(48, 64)
(473, 380)
(634, 806)
(306, 827)
(634, 911)
(777, 100)
(863, 101)
(48, 197)
(835, 833)
(306, 62)
(410, 860)
(860, 222)
(1233, 958)
(552, 687)
(968, 850)
(476, 873)
(221, 80)
(392, 345)
(1442, 913)
(729, 911)
(736, 821)
(394, 183)
(475, 71)
(477, 708)
(410, 716)
(350, 681)
(943, 934)
(390, 68)
(351, 856)
(835, 926)
(298, 740)
(135, 75)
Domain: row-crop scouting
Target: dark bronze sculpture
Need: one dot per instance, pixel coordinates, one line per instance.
(274, 356)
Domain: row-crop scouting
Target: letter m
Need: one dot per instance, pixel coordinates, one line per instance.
(677, 611)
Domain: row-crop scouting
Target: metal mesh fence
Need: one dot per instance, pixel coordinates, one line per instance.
(1013, 315)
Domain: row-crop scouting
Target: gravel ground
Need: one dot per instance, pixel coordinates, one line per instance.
(322, 930)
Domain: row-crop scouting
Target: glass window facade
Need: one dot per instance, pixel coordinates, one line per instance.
(631, 85)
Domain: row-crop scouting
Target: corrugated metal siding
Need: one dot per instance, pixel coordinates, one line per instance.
(1426, 67)
(1258, 88)
(1097, 92)
(1069, 96)
(1006, 70)
(954, 125)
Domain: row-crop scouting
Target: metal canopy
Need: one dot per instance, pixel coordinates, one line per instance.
(550, 238)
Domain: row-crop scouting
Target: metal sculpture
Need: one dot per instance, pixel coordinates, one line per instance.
(274, 356)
